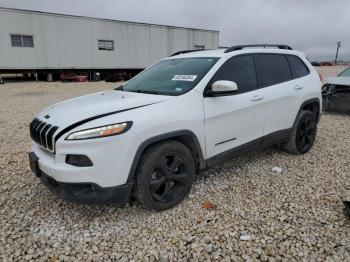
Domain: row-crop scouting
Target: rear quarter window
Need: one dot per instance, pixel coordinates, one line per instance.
(299, 69)
(273, 68)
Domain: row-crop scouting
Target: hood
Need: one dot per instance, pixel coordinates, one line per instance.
(74, 110)
(339, 80)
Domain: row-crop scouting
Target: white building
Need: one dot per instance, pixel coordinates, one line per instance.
(38, 41)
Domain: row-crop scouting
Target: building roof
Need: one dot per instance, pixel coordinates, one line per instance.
(100, 19)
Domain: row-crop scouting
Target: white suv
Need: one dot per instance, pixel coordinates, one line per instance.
(148, 139)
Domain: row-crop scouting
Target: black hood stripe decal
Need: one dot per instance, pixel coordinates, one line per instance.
(67, 129)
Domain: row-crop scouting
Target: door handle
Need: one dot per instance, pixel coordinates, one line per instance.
(298, 87)
(257, 98)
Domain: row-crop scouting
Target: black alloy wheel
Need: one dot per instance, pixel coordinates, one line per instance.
(165, 175)
(306, 133)
(303, 133)
(169, 177)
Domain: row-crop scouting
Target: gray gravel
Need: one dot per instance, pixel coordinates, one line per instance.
(259, 214)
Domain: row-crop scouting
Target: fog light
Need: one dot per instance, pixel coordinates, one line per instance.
(78, 160)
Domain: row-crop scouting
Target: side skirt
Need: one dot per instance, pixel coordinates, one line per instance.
(274, 138)
(277, 137)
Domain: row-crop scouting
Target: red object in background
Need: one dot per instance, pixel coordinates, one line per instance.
(81, 79)
(67, 77)
(326, 64)
(73, 77)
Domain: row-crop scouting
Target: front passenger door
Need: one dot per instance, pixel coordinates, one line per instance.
(237, 119)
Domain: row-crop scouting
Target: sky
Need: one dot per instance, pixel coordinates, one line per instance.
(312, 26)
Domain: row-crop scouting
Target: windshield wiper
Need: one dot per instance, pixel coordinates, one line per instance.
(146, 92)
(120, 88)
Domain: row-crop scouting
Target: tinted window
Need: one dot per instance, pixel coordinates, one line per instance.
(240, 69)
(299, 69)
(273, 68)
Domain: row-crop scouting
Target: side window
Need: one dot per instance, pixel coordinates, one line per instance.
(239, 69)
(274, 69)
(299, 69)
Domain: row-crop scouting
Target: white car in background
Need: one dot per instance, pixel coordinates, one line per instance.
(148, 139)
(336, 92)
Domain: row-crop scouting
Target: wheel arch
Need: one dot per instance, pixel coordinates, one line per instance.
(186, 137)
(312, 105)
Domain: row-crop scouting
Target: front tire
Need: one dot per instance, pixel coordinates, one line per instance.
(164, 176)
(303, 133)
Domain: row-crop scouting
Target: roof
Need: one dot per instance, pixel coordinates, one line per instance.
(100, 19)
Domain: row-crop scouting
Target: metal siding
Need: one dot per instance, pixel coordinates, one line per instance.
(49, 42)
(14, 56)
(180, 40)
(71, 42)
(103, 31)
(159, 43)
(83, 43)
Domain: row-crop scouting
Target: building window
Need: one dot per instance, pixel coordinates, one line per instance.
(106, 45)
(22, 40)
(199, 47)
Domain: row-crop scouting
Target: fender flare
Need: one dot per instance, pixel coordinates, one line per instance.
(312, 100)
(167, 136)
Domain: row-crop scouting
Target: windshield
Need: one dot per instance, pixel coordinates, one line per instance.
(346, 72)
(171, 77)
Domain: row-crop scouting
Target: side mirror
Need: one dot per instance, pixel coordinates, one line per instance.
(223, 87)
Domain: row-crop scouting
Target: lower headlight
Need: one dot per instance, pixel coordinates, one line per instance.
(102, 131)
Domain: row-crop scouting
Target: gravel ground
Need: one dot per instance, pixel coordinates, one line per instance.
(327, 71)
(258, 214)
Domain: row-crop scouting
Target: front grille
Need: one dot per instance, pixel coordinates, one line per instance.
(42, 133)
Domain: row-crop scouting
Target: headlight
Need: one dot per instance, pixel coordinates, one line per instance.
(102, 131)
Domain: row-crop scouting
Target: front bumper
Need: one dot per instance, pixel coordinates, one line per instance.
(110, 156)
(88, 193)
(84, 193)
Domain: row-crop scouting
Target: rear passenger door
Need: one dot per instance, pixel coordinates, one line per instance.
(236, 119)
(280, 91)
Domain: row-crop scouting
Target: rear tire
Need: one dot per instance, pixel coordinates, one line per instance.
(303, 133)
(164, 176)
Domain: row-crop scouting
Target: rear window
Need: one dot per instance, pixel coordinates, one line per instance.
(299, 69)
(274, 69)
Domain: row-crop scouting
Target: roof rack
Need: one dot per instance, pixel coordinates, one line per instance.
(240, 47)
(188, 51)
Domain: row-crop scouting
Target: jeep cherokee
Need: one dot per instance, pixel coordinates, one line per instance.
(184, 114)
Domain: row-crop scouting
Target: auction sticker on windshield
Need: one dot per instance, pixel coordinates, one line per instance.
(190, 78)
